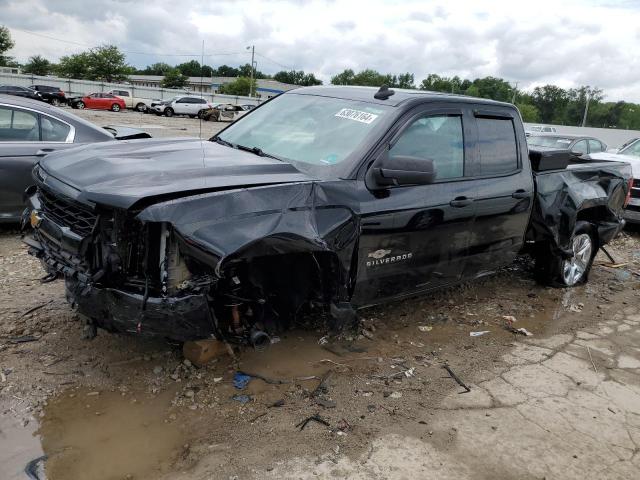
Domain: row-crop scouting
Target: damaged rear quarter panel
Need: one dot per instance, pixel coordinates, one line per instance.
(277, 219)
(595, 193)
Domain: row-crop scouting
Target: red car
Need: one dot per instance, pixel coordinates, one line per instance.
(99, 101)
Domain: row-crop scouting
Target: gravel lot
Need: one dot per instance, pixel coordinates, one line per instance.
(561, 404)
(157, 126)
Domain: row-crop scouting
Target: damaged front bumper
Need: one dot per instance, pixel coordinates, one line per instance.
(179, 318)
(91, 290)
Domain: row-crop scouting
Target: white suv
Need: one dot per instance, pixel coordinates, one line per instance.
(183, 105)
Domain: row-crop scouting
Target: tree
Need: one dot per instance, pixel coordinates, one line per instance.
(6, 43)
(491, 87)
(297, 77)
(529, 113)
(38, 65)
(226, 71)
(107, 63)
(344, 78)
(240, 86)
(550, 102)
(74, 66)
(174, 79)
(405, 80)
(159, 68)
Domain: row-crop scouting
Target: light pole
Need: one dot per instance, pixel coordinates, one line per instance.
(253, 53)
(586, 110)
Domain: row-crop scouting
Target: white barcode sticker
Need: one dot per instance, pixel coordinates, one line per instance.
(357, 115)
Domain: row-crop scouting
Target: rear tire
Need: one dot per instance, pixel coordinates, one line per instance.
(552, 269)
(200, 113)
(55, 102)
(80, 105)
(168, 112)
(115, 107)
(141, 107)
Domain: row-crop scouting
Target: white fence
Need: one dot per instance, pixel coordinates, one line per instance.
(75, 88)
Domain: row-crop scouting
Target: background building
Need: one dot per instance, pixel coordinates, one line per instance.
(265, 88)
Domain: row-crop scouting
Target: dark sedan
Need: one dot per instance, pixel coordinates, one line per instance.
(20, 92)
(54, 95)
(29, 130)
(579, 145)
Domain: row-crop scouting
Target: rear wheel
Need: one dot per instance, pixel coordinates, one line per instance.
(168, 112)
(80, 105)
(200, 113)
(115, 107)
(141, 107)
(554, 270)
(55, 102)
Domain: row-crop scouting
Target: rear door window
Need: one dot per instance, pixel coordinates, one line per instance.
(498, 147)
(580, 147)
(53, 130)
(595, 146)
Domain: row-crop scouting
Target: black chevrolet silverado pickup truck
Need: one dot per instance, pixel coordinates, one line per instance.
(322, 199)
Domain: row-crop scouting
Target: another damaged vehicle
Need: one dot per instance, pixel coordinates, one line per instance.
(323, 199)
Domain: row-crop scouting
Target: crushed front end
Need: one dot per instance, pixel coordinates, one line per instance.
(122, 274)
(133, 277)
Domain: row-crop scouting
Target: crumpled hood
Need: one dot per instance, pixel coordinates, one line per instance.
(121, 173)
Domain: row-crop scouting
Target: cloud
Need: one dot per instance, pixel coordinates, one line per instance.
(566, 43)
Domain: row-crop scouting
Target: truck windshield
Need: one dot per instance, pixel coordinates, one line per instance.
(308, 130)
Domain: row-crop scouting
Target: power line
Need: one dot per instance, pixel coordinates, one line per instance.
(128, 52)
(288, 67)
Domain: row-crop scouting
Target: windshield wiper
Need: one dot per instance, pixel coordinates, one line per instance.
(255, 150)
(222, 142)
(258, 151)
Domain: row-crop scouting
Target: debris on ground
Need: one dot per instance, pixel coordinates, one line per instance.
(576, 308)
(479, 334)
(243, 399)
(201, 352)
(456, 378)
(241, 380)
(312, 418)
(425, 328)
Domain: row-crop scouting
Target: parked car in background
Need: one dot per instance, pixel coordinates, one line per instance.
(224, 112)
(98, 101)
(629, 152)
(539, 129)
(135, 103)
(20, 92)
(579, 145)
(29, 130)
(183, 105)
(54, 95)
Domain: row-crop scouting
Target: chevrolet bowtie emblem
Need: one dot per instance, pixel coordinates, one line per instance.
(378, 254)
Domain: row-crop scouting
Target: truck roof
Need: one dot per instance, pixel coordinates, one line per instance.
(401, 95)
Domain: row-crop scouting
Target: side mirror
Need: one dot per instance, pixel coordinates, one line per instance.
(576, 153)
(403, 170)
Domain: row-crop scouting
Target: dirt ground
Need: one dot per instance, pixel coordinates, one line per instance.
(563, 403)
(157, 126)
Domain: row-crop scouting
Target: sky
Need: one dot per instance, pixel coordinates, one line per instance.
(533, 43)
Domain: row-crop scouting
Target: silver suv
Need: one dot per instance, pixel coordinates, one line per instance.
(183, 105)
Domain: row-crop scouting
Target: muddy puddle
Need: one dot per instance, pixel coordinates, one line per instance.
(90, 435)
